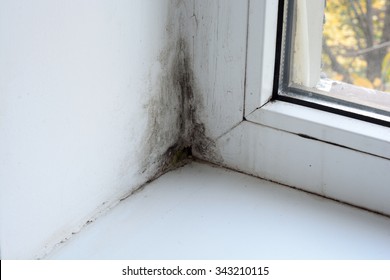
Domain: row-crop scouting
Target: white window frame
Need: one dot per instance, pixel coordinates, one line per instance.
(328, 127)
(300, 146)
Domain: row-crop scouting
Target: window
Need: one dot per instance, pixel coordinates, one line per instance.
(295, 135)
(335, 56)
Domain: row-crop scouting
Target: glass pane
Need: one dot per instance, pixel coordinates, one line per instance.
(341, 49)
(356, 41)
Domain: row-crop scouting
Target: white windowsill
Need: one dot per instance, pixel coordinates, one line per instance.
(203, 212)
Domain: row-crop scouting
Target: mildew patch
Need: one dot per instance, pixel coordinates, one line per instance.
(174, 130)
(191, 103)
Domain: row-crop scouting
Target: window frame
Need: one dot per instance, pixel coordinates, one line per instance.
(315, 151)
(320, 152)
(316, 121)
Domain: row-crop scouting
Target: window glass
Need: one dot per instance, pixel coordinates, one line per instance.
(339, 51)
(356, 43)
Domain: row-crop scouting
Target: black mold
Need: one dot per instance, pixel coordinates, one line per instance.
(193, 130)
(178, 96)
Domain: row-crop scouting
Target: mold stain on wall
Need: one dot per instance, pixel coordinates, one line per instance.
(174, 132)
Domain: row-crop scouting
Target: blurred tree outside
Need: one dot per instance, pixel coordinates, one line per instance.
(356, 42)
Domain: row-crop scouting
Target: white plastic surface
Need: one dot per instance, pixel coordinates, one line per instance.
(204, 212)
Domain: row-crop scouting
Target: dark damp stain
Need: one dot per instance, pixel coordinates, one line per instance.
(178, 96)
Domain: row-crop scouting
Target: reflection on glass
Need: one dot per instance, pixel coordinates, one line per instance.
(356, 45)
(341, 52)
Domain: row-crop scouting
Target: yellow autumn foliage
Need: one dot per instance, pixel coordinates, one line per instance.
(361, 81)
(345, 38)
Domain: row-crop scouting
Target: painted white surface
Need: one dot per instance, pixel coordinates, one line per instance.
(75, 81)
(204, 212)
(218, 32)
(262, 25)
(343, 174)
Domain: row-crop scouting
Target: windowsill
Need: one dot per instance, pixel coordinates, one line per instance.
(331, 128)
(203, 212)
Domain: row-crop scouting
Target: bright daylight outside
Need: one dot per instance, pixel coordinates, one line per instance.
(341, 52)
(356, 52)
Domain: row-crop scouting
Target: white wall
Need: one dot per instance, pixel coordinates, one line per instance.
(79, 124)
(217, 33)
(219, 30)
